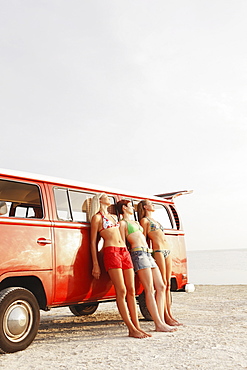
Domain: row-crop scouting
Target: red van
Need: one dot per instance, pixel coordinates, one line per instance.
(45, 251)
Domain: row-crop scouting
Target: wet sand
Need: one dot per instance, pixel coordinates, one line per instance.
(214, 336)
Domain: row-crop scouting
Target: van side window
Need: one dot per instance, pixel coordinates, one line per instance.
(80, 204)
(161, 215)
(19, 199)
(62, 204)
(72, 205)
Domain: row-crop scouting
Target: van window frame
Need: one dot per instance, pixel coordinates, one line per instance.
(26, 206)
(168, 214)
(174, 224)
(70, 205)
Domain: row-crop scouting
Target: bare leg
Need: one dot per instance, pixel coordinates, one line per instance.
(117, 279)
(168, 263)
(160, 292)
(129, 280)
(161, 262)
(146, 278)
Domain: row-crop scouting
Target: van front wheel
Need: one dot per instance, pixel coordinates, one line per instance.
(19, 319)
(143, 307)
(83, 309)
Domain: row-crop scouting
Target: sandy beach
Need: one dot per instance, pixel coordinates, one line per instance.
(214, 336)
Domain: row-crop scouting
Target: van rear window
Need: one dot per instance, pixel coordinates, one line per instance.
(19, 199)
(163, 216)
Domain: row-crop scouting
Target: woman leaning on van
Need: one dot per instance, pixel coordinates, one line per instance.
(155, 232)
(144, 265)
(117, 262)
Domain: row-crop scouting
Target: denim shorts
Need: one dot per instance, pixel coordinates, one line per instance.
(142, 260)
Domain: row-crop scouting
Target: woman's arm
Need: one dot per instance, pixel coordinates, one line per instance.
(94, 249)
(145, 224)
(146, 228)
(123, 230)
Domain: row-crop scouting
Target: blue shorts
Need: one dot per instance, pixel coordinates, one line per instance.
(142, 260)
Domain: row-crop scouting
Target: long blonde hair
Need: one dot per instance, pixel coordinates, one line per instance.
(95, 205)
(141, 210)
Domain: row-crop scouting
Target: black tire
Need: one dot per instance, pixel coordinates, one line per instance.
(143, 307)
(19, 319)
(174, 285)
(83, 309)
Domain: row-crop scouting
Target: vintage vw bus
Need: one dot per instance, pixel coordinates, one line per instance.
(45, 251)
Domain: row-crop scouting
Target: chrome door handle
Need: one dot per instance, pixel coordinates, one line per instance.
(43, 241)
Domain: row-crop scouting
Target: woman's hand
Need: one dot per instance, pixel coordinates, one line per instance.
(96, 271)
(94, 250)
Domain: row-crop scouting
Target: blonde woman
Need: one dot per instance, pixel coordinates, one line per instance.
(144, 265)
(117, 262)
(155, 232)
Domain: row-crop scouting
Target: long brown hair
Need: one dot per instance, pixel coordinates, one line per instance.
(141, 210)
(121, 203)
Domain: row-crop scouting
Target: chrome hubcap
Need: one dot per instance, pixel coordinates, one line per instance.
(18, 321)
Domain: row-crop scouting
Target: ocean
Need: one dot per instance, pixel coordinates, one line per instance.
(217, 267)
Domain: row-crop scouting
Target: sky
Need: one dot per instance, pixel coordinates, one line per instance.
(145, 96)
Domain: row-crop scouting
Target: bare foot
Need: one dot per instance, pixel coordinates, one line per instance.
(165, 328)
(138, 334)
(142, 331)
(173, 322)
(177, 323)
(148, 335)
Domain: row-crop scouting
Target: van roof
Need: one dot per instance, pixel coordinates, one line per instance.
(62, 181)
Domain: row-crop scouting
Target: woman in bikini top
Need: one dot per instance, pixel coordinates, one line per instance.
(154, 231)
(155, 226)
(132, 227)
(106, 223)
(116, 260)
(144, 264)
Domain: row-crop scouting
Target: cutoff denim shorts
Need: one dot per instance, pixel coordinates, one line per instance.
(142, 260)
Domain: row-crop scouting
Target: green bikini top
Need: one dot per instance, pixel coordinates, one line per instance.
(132, 228)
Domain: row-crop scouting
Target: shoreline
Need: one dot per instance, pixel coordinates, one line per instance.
(213, 336)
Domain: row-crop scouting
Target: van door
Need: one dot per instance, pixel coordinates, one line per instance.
(26, 240)
(74, 282)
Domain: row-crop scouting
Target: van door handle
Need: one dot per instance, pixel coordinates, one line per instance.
(43, 241)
